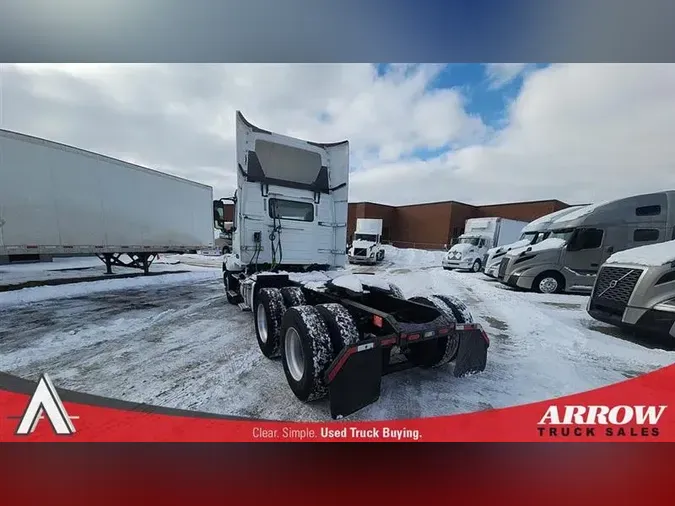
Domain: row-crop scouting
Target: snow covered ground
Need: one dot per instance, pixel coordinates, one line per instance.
(174, 341)
(82, 268)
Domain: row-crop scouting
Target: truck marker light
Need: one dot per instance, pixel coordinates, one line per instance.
(386, 342)
(429, 333)
(377, 321)
(365, 347)
(412, 337)
(442, 331)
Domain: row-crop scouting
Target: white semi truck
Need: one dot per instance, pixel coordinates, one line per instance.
(367, 246)
(339, 336)
(533, 233)
(57, 200)
(481, 234)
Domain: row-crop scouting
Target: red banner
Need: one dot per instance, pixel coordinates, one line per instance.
(634, 410)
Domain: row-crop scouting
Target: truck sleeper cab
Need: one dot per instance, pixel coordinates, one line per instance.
(569, 259)
(533, 233)
(635, 289)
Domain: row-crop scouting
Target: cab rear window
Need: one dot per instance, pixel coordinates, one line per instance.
(291, 210)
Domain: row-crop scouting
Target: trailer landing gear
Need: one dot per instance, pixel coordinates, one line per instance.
(138, 261)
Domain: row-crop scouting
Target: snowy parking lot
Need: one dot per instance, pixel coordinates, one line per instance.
(174, 341)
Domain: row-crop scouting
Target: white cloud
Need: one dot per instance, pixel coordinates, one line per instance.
(578, 133)
(501, 74)
(180, 118)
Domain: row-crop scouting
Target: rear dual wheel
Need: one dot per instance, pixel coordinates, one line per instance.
(311, 338)
(439, 351)
(308, 338)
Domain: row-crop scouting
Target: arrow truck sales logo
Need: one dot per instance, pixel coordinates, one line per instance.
(46, 400)
(610, 421)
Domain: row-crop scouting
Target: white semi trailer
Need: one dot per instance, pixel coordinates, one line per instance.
(57, 200)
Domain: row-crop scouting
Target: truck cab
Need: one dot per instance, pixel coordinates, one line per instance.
(480, 235)
(533, 233)
(635, 289)
(366, 247)
(290, 205)
(580, 242)
(467, 253)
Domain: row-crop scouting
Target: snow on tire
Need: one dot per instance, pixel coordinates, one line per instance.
(341, 326)
(396, 291)
(293, 296)
(269, 311)
(459, 309)
(431, 353)
(306, 352)
(453, 341)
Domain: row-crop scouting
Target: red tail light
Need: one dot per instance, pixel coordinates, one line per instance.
(377, 321)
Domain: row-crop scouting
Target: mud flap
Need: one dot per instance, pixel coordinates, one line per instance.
(472, 353)
(357, 382)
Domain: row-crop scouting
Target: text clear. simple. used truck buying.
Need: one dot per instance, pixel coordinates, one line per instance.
(60, 200)
(367, 246)
(481, 234)
(335, 336)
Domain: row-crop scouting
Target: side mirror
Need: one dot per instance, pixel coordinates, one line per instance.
(219, 215)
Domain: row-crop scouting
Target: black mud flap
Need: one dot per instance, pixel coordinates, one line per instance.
(357, 382)
(472, 353)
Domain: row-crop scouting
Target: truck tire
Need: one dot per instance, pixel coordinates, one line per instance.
(341, 326)
(268, 314)
(476, 266)
(435, 352)
(549, 282)
(293, 296)
(458, 308)
(306, 352)
(396, 291)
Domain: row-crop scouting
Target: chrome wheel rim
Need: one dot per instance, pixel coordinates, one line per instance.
(548, 285)
(294, 355)
(261, 318)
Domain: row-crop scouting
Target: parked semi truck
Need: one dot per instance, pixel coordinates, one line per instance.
(481, 234)
(533, 233)
(338, 336)
(367, 245)
(635, 289)
(57, 200)
(569, 259)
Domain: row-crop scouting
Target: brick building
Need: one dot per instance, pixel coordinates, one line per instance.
(437, 224)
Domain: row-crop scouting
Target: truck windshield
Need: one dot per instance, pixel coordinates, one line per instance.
(530, 236)
(540, 237)
(563, 234)
(470, 240)
(365, 237)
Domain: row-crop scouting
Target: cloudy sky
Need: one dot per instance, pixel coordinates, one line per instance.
(419, 133)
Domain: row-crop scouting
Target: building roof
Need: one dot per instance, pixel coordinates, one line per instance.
(525, 202)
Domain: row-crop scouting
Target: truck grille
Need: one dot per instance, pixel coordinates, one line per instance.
(502, 267)
(613, 288)
(360, 252)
